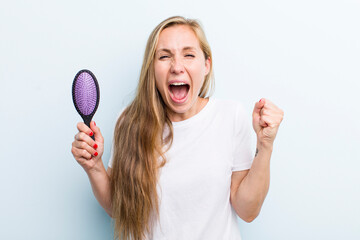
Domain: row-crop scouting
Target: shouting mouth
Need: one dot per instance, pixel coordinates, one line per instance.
(179, 91)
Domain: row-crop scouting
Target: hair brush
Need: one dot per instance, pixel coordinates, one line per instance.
(86, 95)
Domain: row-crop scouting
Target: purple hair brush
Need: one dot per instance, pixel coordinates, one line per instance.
(86, 95)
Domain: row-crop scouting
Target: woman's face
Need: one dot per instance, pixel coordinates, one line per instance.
(180, 70)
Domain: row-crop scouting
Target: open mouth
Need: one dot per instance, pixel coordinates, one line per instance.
(179, 91)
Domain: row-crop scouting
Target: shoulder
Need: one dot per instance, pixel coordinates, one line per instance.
(229, 105)
(234, 113)
(230, 113)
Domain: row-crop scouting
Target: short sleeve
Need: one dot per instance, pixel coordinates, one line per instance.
(243, 152)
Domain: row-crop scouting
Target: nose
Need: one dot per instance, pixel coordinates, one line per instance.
(177, 66)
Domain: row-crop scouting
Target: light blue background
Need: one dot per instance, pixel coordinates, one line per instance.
(302, 55)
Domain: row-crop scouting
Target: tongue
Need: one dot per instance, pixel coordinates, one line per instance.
(179, 91)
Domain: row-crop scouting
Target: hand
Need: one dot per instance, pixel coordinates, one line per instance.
(266, 121)
(86, 151)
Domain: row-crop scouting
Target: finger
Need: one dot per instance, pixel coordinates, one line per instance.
(83, 137)
(275, 116)
(272, 107)
(262, 122)
(257, 108)
(82, 161)
(268, 120)
(80, 153)
(96, 130)
(83, 128)
(268, 112)
(84, 145)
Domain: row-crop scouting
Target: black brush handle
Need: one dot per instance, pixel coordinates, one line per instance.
(87, 121)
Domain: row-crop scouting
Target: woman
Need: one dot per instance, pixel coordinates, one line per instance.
(181, 165)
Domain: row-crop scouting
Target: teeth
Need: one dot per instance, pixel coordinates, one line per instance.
(178, 84)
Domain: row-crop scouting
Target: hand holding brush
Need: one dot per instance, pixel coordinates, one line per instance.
(86, 151)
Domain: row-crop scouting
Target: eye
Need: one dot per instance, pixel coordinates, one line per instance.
(162, 57)
(189, 55)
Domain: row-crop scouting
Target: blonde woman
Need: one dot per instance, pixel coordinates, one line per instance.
(181, 164)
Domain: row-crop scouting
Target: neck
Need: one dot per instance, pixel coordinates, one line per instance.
(195, 109)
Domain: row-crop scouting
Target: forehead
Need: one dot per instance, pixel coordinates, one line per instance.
(177, 37)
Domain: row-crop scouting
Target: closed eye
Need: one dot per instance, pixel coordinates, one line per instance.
(189, 55)
(162, 57)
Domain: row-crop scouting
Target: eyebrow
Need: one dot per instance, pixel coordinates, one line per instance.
(167, 50)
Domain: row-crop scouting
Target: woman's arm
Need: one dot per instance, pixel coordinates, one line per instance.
(249, 188)
(100, 184)
(88, 153)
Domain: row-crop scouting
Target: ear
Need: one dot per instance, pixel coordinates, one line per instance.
(207, 65)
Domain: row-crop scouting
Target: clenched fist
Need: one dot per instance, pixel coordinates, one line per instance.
(266, 121)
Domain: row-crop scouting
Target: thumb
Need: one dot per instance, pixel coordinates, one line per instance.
(257, 108)
(256, 114)
(97, 134)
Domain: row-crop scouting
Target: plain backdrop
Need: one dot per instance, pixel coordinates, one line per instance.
(302, 55)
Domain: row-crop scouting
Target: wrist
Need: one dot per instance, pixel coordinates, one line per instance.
(262, 145)
(97, 168)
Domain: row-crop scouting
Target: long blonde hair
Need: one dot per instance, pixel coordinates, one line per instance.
(139, 142)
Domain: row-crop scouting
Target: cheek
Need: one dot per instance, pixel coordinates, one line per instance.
(160, 76)
(197, 72)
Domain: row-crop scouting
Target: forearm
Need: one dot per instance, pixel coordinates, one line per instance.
(253, 189)
(100, 183)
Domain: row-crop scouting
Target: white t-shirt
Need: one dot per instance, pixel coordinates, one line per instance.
(194, 184)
